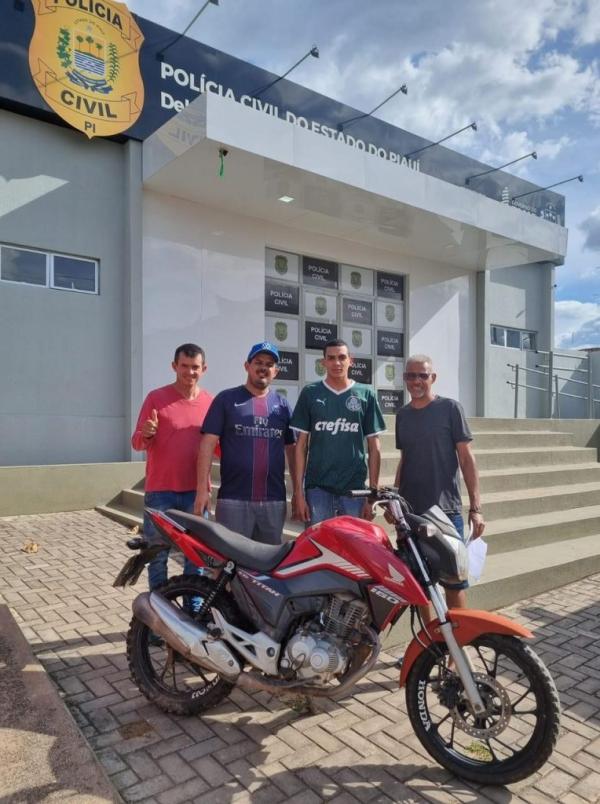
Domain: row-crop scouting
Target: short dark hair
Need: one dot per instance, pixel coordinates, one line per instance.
(189, 350)
(335, 342)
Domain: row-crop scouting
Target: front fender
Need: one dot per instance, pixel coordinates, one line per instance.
(468, 624)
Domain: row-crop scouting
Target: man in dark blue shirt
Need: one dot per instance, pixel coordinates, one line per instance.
(251, 423)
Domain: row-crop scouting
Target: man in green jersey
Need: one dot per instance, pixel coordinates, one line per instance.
(332, 419)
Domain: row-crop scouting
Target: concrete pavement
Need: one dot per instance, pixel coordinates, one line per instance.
(256, 748)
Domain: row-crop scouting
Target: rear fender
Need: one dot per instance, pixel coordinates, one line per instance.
(468, 624)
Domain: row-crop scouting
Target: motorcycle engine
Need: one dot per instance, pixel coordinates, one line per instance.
(320, 648)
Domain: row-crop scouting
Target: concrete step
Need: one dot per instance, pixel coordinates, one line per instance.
(491, 480)
(575, 463)
(509, 577)
(120, 513)
(529, 501)
(533, 570)
(536, 456)
(515, 533)
(133, 499)
(521, 438)
(479, 424)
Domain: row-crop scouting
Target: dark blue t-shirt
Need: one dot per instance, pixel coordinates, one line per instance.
(253, 431)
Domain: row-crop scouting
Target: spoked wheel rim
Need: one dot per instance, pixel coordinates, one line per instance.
(518, 729)
(166, 678)
(173, 674)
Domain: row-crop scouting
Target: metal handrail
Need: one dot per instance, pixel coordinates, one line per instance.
(552, 389)
(562, 368)
(560, 354)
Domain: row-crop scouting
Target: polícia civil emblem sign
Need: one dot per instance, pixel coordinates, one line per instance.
(84, 59)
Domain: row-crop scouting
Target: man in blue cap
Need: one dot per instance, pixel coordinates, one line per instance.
(252, 424)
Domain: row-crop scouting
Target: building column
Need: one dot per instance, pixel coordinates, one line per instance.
(132, 291)
(483, 341)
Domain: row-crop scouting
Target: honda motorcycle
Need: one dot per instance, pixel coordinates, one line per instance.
(306, 617)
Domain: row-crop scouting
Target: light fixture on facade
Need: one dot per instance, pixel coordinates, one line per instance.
(469, 179)
(472, 125)
(160, 54)
(286, 199)
(541, 189)
(345, 123)
(314, 52)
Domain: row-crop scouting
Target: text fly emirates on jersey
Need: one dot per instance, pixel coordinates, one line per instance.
(84, 60)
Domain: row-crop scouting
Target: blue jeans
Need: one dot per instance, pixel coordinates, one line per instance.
(323, 505)
(163, 500)
(457, 520)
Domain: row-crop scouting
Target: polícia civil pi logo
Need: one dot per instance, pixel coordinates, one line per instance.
(84, 60)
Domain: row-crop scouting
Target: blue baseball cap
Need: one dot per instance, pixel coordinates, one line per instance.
(265, 347)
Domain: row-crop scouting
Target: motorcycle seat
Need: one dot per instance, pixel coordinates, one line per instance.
(246, 552)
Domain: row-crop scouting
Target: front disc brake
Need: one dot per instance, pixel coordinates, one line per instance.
(497, 710)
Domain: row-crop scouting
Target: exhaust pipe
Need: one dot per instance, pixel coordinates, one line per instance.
(185, 635)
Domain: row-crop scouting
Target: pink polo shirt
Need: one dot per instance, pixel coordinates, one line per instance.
(172, 453)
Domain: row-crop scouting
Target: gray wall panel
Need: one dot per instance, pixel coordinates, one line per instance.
(517, 297)
(61, 353)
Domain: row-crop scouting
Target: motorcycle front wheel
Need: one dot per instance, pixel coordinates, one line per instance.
(166, 678)
(518, 731)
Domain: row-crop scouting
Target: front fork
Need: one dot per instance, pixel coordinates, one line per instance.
(461, 663)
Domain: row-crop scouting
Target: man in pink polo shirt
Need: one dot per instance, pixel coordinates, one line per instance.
(168, 429)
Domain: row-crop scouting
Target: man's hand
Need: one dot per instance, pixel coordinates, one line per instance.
(367, 511)
(202, 502)
(477, 523)
(300, 509)
(150, 426)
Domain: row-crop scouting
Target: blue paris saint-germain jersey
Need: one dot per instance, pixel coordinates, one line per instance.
(253, 431)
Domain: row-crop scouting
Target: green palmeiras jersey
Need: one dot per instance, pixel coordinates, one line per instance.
(337, 423)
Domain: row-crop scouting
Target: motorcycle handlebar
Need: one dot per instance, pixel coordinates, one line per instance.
(376, 494)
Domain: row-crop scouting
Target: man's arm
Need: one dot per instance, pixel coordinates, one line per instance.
(374, 459)
(290, 456)
(146, 427)
(301, 511)
(374, 465)
(468, 467)
(398, 476)
(204, 463)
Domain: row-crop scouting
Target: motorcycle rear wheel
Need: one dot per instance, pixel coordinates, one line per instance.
(175, 684)
(520, 728)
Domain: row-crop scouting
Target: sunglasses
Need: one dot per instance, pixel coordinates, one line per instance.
(411, 376)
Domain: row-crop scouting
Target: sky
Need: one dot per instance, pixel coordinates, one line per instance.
(527, 72)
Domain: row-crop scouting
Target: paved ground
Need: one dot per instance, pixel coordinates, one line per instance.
(255, 748)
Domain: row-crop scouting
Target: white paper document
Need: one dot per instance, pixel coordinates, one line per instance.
(477, 550)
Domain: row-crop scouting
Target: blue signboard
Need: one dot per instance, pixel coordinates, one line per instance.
(176, 70)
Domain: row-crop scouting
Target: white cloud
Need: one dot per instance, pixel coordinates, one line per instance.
(576, 324)
(591, 227)
(502, 149)
(587, 23)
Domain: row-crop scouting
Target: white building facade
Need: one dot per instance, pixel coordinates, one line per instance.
(222, 220)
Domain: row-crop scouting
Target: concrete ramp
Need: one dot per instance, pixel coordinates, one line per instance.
(45, 758)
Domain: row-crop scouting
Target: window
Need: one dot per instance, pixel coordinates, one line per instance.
(21, 265)
(56, 271)
(513, 338)
(70, 273)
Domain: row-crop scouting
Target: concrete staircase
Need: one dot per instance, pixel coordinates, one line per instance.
(541, 499)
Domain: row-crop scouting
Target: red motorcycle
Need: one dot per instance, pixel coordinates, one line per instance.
(306, 617)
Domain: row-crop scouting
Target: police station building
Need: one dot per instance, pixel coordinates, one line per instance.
(156, 191)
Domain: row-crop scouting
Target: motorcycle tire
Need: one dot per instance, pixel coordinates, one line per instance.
(176, 685)
(514, 684)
